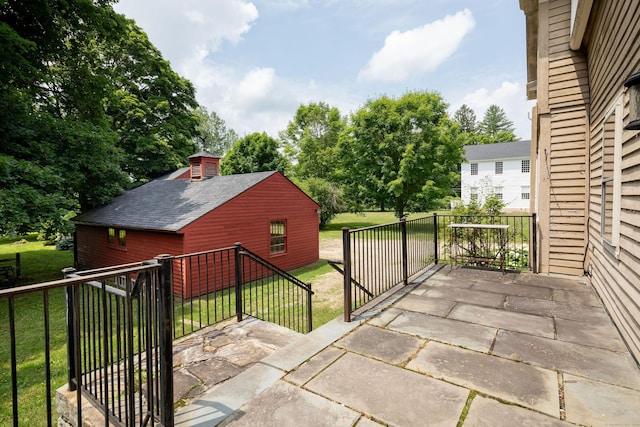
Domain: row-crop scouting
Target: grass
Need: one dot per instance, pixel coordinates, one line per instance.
(39, 263)
(353, 221)
(42, 263)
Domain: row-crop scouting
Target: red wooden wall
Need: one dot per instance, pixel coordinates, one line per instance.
(93, 249)
(245, 219)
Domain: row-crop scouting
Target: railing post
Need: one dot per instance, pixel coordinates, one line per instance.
(71, 330)
(309, 310)
(405, 256)
(165, 283)
(238, 277)
(346, 260)
(533, 243)
(18, 270)
(435, 236)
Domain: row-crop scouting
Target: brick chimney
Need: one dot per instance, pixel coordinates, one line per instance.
(204, 165)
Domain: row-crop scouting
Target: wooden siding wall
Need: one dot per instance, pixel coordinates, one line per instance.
(563, 131)
(246, 219)
(612, 49)
(94, 250)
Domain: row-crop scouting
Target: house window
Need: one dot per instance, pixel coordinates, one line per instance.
(117, 238)
(526, 166)
(497, 191)
(278, 231)
(474, 193)
(474, 169)
(498, 168)
(524, 192)
(610, 183)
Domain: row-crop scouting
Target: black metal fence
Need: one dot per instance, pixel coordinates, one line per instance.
(120, 323)
(214, 286)
(375, 259)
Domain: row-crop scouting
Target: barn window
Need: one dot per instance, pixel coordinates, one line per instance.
(117, 238)
(278, 231)
(525, 192)
(498, 168)
(610, 182)
(526, 166)
(474, 169)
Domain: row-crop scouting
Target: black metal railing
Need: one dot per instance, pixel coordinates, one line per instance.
(375, 259)
(117, 321)
(218, 285)
(120, 323)
(117, 352)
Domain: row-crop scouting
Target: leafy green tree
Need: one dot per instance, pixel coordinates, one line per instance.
(149, 105)
(87, 107)
(255, 152)
(400, 150)
(495, 126)
(328, 195)
(212, 134)
(311, 140)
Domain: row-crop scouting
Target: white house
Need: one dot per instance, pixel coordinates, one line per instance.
(502, 169)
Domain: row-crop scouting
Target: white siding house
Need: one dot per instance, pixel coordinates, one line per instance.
(502, 169)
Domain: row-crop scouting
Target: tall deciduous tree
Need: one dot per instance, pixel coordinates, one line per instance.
(311, 140)
(87, 107)
(398, 151)
(495, 126)
(212, 134)
(255, 152)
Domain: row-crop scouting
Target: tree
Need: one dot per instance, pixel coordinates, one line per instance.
(311, 140)
(397, 151)
(327, 194)
(495, 126)
(255, 152)
(212, 134)
(466, 119)
(87, 107)
(149, 105)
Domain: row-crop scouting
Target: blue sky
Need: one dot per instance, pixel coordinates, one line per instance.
(255, 62)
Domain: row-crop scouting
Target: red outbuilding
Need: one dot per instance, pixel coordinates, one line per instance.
(195, 209)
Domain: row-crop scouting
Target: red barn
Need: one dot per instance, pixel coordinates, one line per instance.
(194, 210)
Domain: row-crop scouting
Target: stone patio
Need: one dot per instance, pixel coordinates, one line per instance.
(456, 346)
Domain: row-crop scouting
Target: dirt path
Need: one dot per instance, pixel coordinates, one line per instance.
(328, 287)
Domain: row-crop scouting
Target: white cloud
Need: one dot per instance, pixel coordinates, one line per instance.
(182, 29)
(510, 96)
(418, 50)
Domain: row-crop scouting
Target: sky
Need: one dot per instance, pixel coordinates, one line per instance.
(255, 62)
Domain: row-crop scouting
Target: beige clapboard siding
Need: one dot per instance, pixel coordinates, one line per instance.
(568, 93)
(611, 41)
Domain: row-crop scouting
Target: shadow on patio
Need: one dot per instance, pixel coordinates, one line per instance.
(455, 347)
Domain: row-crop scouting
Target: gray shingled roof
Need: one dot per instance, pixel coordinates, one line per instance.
(170, 205)
(503, 150)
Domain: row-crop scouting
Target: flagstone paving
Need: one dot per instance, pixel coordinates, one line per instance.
(513, 349)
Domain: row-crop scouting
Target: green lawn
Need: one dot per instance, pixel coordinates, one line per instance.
(366, 219)
(38, 263)
(42, 263)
